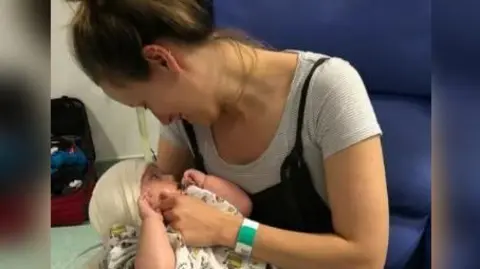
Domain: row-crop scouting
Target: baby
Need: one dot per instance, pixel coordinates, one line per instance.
(124, 210)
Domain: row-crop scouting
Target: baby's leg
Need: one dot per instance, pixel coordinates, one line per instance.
(154, 249)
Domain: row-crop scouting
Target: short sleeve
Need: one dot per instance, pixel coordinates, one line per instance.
(174, 133)
(345, 115)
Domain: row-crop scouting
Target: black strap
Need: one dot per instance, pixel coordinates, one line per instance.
(295, 176)
(197, 157)
(301, 107)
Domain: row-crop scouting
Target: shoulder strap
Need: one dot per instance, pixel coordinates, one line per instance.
(197, 156)
(303, 98)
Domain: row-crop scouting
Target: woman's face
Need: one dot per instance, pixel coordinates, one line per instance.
(174, 90)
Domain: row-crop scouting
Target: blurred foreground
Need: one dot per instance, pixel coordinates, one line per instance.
(24, 125)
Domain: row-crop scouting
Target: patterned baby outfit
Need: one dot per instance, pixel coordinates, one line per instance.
(122, 246)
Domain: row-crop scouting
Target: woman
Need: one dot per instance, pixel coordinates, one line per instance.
(294, 129)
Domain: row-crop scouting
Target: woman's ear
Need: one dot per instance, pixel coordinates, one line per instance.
(160, 56)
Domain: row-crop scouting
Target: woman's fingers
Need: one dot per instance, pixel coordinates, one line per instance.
(167, 201)
(170, 216)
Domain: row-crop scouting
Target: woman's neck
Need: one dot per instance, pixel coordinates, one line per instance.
(251, 84)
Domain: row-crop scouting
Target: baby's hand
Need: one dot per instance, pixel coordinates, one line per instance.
(146, 209)
(194, 177)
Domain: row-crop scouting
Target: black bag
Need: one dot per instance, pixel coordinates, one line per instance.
(70, 126)
(69, 119)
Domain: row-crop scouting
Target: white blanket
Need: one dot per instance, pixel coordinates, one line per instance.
(123, 245)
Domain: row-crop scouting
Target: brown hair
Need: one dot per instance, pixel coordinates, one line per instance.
(108, 35)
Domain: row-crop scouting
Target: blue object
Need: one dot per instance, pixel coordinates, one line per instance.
(76, 158)
(389, 44)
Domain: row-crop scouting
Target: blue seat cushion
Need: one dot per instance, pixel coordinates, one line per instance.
(406, 141)
(387, 41)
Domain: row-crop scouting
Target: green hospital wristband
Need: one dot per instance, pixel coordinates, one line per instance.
(246, 237)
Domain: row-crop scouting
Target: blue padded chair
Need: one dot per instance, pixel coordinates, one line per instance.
(389, 44)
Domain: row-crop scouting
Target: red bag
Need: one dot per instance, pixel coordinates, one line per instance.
(72, 209)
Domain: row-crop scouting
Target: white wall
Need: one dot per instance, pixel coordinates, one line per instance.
(114, 126)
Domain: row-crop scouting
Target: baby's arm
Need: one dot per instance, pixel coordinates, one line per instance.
(223, 188)
(154, 249)
(230, 192)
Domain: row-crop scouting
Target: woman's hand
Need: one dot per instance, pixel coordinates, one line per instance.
(201, 225)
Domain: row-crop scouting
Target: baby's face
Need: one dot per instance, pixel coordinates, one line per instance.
(158, 184)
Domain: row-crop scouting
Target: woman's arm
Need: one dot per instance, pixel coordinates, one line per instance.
(356, 187)
(173, 159)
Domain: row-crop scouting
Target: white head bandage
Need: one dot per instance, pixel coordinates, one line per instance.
(114, 199)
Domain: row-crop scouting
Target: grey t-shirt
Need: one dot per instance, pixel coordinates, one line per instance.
(338, 114)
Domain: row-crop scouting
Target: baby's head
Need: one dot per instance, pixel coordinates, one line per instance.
(158, 183)
(114, 199)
